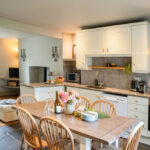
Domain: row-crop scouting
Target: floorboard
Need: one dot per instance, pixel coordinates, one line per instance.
(10, 137)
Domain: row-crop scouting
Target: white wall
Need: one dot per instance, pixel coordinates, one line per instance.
(39, 53)
(8, 58)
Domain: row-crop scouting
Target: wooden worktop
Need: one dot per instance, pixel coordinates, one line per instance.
(77, 85)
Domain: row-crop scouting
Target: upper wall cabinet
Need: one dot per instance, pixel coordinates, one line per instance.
(118, 41)
(109, 41)
(82, 62)
(140, 48)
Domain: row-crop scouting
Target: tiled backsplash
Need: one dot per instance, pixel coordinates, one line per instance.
(110, 77)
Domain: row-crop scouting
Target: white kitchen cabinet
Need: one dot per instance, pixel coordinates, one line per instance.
(42, 93)
(73, 89)
(92, 41)
(92, 95)
(138, 109)
(140, 48)
(118, 40)
(108, 41)
(82, 62)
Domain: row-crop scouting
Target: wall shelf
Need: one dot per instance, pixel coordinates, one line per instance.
(10, 79)
(99, 67)
(10, 87)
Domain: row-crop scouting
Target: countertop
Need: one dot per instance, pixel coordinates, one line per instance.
(77, 85)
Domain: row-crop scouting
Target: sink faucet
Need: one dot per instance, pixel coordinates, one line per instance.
(99, 75)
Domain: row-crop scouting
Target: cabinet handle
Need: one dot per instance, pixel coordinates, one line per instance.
(136, 101)
(107, 50)
(136, 108)
(103, 50)
(135, 116)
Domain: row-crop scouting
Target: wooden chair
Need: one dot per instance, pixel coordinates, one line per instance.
(25, 99)
(57, 134)
(132, 141)
(104, 106)
(85, 101)
(30, 130)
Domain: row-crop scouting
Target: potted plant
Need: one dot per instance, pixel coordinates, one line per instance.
(70, 100)
(128, 71)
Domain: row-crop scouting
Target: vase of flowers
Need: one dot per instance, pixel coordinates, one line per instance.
(70, 99)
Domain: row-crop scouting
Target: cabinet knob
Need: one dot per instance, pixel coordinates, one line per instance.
(136, 101)
(136, 108)
(135, 116)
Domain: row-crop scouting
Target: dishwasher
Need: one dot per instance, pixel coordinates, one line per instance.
(120, 102)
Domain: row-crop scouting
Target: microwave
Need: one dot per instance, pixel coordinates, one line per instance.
(73, 77)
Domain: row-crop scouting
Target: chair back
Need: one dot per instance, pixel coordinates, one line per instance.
(133, 139)
(104, 107)
(84, 101)
(30, 128)
(25, 99)
(57, 134)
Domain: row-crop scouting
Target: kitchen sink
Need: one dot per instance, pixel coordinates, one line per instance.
(96, 87)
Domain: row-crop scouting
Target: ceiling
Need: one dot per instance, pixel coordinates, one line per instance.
(71, 15)
(8, 33)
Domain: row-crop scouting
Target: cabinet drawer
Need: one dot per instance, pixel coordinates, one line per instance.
(138, 116)
(144, 133)
(138, 100)
(138, 108)
(73, 88)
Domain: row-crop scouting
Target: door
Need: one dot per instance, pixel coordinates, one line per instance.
(118, 40)
(139, 48)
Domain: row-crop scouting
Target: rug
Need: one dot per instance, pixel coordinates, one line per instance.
(6, 124)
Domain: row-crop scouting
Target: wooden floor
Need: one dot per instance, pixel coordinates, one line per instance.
(10, 137)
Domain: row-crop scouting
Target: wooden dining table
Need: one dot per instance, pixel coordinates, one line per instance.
(107, 130)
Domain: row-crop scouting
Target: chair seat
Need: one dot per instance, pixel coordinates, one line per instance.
(44, 143)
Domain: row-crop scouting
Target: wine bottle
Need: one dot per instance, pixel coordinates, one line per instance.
(57, 104)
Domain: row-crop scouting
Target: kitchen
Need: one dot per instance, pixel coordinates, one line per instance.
(92, 51)
(99, 72)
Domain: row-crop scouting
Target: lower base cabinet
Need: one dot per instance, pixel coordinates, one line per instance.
(92, 95)
(42, 93)
(138, 109)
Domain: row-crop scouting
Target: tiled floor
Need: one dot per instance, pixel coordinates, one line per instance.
(10, 137)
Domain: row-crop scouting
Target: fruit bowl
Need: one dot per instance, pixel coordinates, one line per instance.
(60, 80)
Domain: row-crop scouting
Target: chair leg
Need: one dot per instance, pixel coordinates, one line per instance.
(22, 140)
(28, 147)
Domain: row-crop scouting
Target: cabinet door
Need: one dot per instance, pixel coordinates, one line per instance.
(92, 41)
(139, 48)
(80, 55)
(118, 40)
(72, 89)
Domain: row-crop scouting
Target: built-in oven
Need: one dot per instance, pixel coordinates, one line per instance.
(73, 77)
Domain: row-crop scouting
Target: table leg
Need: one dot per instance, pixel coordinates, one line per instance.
(85, 143)
(117, 143)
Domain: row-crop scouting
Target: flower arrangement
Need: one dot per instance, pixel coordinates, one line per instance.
(71, 97)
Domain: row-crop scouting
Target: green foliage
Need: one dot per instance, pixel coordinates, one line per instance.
(103, 115)
(128, 68)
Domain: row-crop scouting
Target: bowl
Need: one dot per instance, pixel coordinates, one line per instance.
(60, 80)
